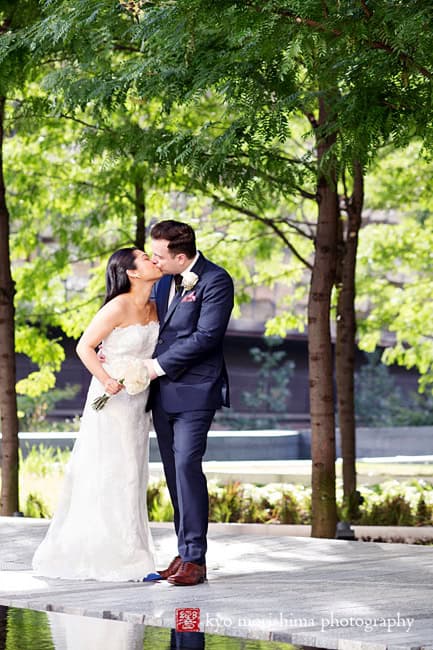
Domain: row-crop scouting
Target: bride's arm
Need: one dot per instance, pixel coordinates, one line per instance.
(107, 318)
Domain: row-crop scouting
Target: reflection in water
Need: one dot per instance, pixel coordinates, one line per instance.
(28, 630)
(24, 629)
(3, 626)
(186, 640)
(87, 633)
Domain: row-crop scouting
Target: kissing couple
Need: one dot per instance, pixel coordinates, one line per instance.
(162, 327)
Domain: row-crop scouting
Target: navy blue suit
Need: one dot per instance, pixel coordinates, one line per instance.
(184, 400)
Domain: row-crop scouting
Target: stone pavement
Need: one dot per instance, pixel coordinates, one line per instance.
(320, 593)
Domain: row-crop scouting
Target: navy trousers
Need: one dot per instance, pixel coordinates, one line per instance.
(182, 439)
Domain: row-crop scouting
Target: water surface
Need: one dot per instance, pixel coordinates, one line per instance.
(25, 629)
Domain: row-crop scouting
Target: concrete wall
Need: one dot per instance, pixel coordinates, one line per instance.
(277, 444)
(382, 442)
(396, 441)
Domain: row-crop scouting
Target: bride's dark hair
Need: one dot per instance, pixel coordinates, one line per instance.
(116, 277)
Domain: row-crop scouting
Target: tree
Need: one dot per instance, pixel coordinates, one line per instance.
(10, 76)
(345, 344)
(8, 403)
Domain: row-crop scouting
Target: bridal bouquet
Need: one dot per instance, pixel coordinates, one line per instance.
(131, 372)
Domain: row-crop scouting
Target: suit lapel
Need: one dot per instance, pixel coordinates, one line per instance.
(174, 303)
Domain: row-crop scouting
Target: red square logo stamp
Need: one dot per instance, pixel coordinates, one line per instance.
(187, 619)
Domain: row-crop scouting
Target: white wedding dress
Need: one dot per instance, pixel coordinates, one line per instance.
(100, 529)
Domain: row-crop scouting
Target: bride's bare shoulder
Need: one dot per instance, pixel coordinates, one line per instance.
(115, 308)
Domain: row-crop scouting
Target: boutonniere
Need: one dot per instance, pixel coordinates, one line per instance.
(189, 280)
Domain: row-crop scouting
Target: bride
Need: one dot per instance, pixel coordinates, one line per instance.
(100, 530)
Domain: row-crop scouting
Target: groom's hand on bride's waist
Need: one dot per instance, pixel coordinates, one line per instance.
(100, 354)
(151, 368)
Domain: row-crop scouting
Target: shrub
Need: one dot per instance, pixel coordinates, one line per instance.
(158, 502)
(393, 511)
(33, 411)
(397, 504)
(390, 503)
(44, 461)
(36, 507)
(287, 511)
(424, 513)
(226, 503)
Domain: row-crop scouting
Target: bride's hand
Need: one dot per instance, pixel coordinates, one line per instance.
(112, 386)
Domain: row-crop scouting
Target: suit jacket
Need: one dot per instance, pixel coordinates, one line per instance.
(190, 345)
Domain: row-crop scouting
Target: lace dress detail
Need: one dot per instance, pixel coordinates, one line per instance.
(100, 529)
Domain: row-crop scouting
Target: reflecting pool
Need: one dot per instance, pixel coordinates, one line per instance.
(25, 629)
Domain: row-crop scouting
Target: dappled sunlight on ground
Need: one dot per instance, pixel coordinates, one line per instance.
(277, 554)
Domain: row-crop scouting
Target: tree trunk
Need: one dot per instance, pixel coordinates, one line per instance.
(8, 398)
(346, 344)
(140, 212)
(324, 511)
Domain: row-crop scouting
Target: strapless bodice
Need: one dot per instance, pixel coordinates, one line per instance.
(131, 341)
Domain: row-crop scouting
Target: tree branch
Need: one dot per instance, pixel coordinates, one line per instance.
(267, 222)
(292, 224)
(305, 194)
(276, 181)
(275, 156)
(47, 314)
(377, 45)
(380, 45)
(5, 25)
(365, 9)
(309, 22)
(325, 9)
(312, 119)
(118, 47)
(294, 161)
(83, 123)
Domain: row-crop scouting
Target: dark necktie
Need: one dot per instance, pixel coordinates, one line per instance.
(178, 282)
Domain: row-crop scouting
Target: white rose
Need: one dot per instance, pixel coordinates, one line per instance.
(136, 377)
(132, 372)
(189, 280)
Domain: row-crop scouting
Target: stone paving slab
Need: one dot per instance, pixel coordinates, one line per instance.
(330, 594)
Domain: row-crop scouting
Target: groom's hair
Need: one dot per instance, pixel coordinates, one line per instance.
(180, 237)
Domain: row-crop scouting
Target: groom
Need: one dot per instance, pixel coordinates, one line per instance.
(194, 299)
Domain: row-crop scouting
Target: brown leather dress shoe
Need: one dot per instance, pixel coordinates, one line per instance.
(172, 568)
(188, 574)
